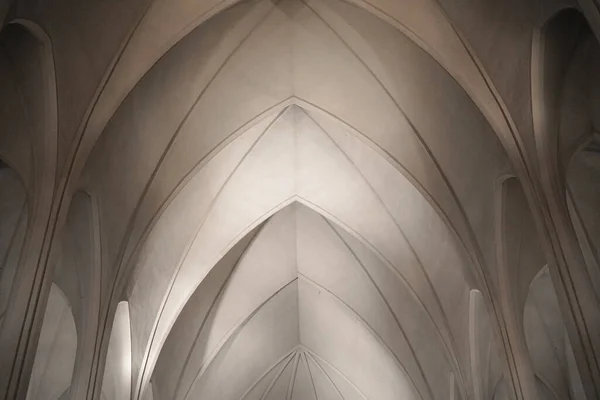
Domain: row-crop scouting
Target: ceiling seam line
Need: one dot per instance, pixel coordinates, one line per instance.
(235, 332)
(420, 139)
(337, 390)
(369, 330)
(208, 314)
(390, 310)
(188, 249)
(445, 322)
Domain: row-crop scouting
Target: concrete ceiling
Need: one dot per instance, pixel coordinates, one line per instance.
(301, 199)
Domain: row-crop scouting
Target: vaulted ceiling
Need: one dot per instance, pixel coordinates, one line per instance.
(306, 199)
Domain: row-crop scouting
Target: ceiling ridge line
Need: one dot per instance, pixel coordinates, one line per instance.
(376, 252)
(445, 322)
(310, 376)
(291, 357)
(210, 311)
(470, 252)
(327, 377)
(181, 262)
(107, 77)
(282, 363)
(190, 244)
(389, 307)
(480, 272)
(197, 168)
(174, 137)
(233, 333)
(479, 265)
(430, 50)
(316, 359)
(293, 374)
(370, 330)
(511, 125)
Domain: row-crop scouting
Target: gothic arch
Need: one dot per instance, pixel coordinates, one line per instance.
(339, 151)
(259, 283)
(195, 104)
(144, 47)
(564, 58)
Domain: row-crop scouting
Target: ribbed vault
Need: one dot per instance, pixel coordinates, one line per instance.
(302, 375)
(300, 280)
(290, 157)
(321, 103)
(299, 200)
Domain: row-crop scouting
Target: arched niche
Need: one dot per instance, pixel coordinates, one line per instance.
(13, 225)
(550, 351)
(565, 63)
(116, 384)
(29, 141)
(55, 356)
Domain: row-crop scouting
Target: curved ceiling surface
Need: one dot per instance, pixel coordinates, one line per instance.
(301, 285)
(291, 157)
(310, 200)
(319, 103)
